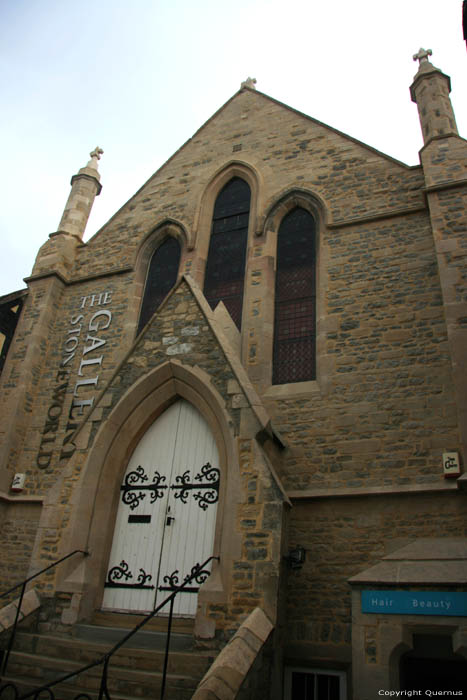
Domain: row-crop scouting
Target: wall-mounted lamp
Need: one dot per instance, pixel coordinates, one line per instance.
(296, 557)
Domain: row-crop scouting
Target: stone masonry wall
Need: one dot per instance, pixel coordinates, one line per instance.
(287, 148)
(342, 538)
(255, 577)
(445, 169)
(387, 407)
(18, 525)
(382, 409)
(380, 305)
(86, 345)
(180, 330)
(23, 372)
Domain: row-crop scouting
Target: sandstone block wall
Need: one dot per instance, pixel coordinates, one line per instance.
(342, 538)
(181, 332)
(18, 525)
(383, 406)
(384, 376)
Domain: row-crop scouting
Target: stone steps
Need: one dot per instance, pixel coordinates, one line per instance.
(143, 639)
(108, 618)
(135, 670)
(70, 691)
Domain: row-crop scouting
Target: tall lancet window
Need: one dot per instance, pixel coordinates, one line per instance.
(225, 267)
(294, 355)
(162, 275)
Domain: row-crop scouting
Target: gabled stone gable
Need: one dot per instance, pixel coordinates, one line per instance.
(184, 330)
(286, 148)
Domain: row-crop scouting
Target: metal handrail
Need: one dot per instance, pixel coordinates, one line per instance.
(105, 659)
(23, 585)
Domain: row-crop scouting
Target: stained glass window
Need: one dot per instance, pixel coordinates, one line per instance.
(225, 268)
(295, 304)
(162, 275)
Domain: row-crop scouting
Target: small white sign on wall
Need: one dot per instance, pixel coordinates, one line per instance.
(18, 482)
(451, 464)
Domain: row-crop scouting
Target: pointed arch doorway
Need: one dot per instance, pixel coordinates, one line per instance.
(166, 515)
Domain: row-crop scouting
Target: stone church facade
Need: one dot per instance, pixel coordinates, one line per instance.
(302, 299)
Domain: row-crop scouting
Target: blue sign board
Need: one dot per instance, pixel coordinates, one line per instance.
(415, 603)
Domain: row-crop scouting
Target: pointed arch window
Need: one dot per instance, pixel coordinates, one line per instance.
(294, 352)
(225, 267)
(162, 275)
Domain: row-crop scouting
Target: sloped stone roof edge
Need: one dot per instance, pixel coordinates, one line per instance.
(264, 96)
(246, 386)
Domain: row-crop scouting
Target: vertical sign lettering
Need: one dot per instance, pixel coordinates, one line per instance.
(90, 328)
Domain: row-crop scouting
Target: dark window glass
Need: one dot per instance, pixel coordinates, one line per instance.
(333, 688)
(10, 310)
(225, 267)
(302, 686)
(295, 315)
(162, 275)
(314, 686)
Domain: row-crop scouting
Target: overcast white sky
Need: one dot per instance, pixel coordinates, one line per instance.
(138, 79)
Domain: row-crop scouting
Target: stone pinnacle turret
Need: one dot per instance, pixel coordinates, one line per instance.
(57, 254)
(85, 186)
(430, 90)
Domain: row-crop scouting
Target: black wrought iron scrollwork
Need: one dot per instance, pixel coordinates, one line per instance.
(172, 581)
(183, 486)
(209, 473)
(204, 498)
(134, 487)
(5, 691)
(10, 691)
(138, 475)
(197, 574)
(157, 487)
(118, 573)
(143, 577)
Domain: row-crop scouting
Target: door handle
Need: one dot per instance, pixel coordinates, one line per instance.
(169, 520)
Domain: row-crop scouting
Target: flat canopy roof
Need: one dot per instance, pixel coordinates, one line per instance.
(427, 561)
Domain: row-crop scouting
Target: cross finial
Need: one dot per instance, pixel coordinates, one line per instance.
(95, 158)
(249, 83)
(96, 153)
(422, 56)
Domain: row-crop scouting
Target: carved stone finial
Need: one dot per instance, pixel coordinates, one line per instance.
(249, 83)
(95, 158)
(422, 56)
(96, 153)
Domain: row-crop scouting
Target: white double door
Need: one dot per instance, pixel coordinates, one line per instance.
(167, 513)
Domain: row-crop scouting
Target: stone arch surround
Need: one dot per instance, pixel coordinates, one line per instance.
(92, 523)
(275, 212)
(203, 214)
(288, 200)
(169, 228)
